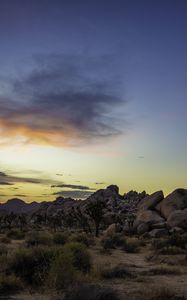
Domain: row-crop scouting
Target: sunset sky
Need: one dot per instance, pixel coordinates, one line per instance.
(92, 93)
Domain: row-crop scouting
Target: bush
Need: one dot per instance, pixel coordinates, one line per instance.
(116, 272)
(16, 234)
(9, 284)
(174, 241)
(163, 270)
(161, 293)
(159, 244)
(60, 238)
(32, 265)
(3, 250)
(113, 241)
(82, 238)
(171, 250)
(62, 273)
(35, 238)
(177, 240)
(131, 246)
(91, 292)
(5, 240)
(81, 257)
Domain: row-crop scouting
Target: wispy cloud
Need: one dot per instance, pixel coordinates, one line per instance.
(73, 186)
(65, 100)
(9, 180)
(76, 194)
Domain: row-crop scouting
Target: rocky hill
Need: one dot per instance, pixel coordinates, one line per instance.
(18, 206)
(153, 215)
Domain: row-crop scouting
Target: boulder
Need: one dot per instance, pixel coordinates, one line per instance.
(158, 233)
(111, 230)
(176, 230)
(178, 218)
(142, 228)
(151, 201)
(158, 207)
(177, 200)
(113, 188)
(148, 216)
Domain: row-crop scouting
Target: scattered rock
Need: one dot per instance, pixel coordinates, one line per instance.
(143, 228)
(176, 230)
(158, 233)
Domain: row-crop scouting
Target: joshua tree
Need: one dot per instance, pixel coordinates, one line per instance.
(95, 210)
(55, 221)
(9, 219)
(22, 221)
(81, 218)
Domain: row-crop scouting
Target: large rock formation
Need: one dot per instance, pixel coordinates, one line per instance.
(149, 217)
(175, 201)
(178, 218)
(151, 212)
(151, 201)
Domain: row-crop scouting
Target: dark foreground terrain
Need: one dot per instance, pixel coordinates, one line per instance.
(106, 247)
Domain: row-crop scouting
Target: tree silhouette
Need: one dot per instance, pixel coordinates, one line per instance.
(95, 210)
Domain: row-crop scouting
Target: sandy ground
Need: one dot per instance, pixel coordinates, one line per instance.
(137, 264)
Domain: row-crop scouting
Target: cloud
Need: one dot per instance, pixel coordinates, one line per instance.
(73, 186)
(2, 174)
(5, 183)
(76, 194)
(6, 179)
(65, 101)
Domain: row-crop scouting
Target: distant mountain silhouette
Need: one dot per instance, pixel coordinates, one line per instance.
(16, 205)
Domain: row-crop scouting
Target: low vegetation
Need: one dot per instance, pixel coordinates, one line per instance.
(70, 265)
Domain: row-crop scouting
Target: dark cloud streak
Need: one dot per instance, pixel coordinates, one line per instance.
(64, 100)
(73, 186)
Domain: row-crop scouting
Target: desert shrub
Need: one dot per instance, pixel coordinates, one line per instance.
(131, 246)
(5, 240)
(116, 272)
(60, 238)
(16, 234)
(9, 284)
(171, 250)
(161, 293)
(35, 238)
(158, 244)
(4, 259)
(3, 250)
(62, 272)
(91, 292)
(163, 270)
(174, 241)
(177, 240)
(32, 265)
(83, 238)
(113, 241)
(108, 243)
(81, 257)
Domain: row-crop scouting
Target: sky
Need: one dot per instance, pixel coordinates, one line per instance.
(92, 93)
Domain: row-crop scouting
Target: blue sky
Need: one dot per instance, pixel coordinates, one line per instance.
(99, 82)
